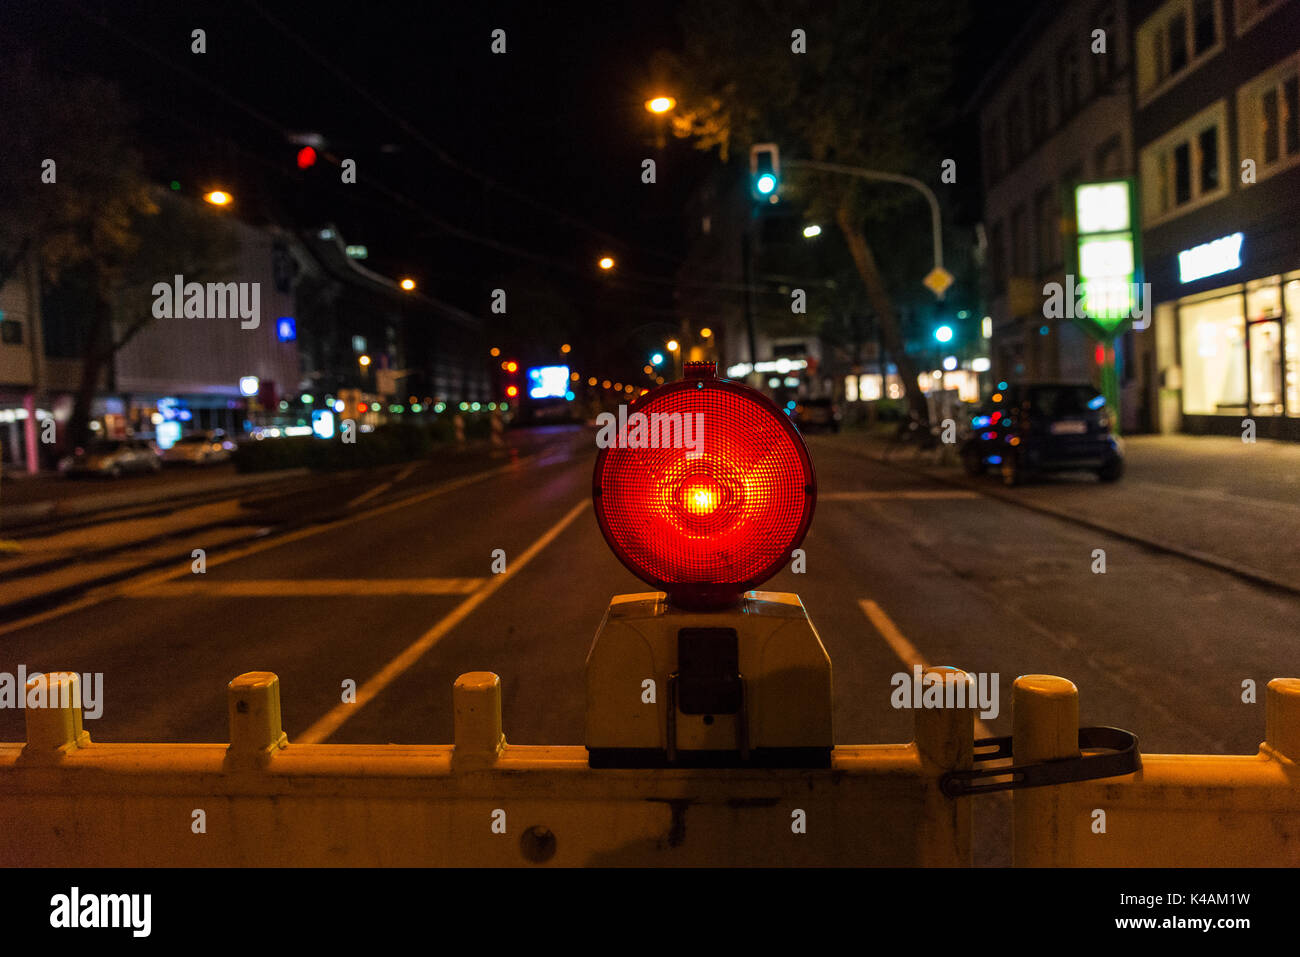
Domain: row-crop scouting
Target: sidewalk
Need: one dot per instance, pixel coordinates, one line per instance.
(1215, 500)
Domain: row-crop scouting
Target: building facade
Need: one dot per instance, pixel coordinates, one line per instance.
(1217, 129)
(1054, 111)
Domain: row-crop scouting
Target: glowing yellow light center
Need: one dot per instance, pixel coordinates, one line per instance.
(701, 499)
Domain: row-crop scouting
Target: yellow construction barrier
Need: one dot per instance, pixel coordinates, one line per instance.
(262, 801)
(1178, 810)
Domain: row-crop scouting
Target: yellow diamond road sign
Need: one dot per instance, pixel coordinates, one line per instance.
(938, 280)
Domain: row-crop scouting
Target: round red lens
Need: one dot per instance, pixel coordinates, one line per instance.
(702, 488)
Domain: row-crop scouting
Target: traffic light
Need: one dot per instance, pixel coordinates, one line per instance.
(765, 171)
(306, 157)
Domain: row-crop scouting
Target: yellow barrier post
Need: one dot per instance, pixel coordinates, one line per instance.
(54, 728)
(1044, 726)
(253, 703)
(1178, 810)
(476, 700)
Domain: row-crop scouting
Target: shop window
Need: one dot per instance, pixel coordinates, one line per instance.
(1291, 370)
(1213, 345)
(1266, 368)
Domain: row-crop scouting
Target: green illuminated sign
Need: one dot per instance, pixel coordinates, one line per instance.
(1107, 248)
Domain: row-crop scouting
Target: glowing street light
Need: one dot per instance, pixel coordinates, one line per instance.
(494, 351)
(218, 197)
(364, 360)
(408, 284)
(606, 262)
(706, 332)
(657, 359)
(660, 104)
(672, 345)
(565, 348)
(811, 232)
(943, 333)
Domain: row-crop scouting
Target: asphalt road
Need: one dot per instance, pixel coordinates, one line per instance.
(391, 587)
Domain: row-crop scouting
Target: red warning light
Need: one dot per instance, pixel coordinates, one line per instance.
(713, 500)
(512, 366)
(306, 157)
(512, 391)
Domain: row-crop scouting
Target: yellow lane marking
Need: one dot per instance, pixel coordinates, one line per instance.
(332, 721)
(148, 581)
(900, 494)
(294, 588)
(905, 650)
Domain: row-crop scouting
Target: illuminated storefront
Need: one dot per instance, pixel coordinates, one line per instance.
(1239, 349)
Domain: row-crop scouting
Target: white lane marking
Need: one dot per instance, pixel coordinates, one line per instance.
(905, 650)
(318, 587)
(340, 713)
(147, 581)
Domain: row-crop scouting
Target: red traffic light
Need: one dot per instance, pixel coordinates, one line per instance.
(306, 157)
(715, 514)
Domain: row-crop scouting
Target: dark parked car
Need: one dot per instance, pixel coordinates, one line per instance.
(1043, 427)
(814, 414)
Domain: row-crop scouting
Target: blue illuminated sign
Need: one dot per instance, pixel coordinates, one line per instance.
(548, 382)
(286, 329)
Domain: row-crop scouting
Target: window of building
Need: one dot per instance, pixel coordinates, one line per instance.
(1047, 229)
(1175, 40)
(1268, 114)
(998, 258)
(1250, 12)
(1039, 121)
(1019, 242)
(1184, 169)
(1106, 65)
(1015, 132)
(1067, 79)
(993, 151)
(1213, 349)
(1109, 159)
(11, 331)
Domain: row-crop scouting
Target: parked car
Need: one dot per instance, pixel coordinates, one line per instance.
(112, 457)
(199, 448)
(1043, 427)
(812, 415)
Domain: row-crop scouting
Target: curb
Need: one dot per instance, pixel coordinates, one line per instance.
(1245, 572)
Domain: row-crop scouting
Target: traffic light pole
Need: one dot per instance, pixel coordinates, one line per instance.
(878, 176)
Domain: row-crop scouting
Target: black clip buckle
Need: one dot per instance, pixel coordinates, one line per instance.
(1122, 757)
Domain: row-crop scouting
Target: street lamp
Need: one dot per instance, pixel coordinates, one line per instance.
(606, 262)
(706, 332)
(672, 345)
(218, 197)
(943, 333)
(408, 284)
(812, 232)
(364, 360)
(660, 104)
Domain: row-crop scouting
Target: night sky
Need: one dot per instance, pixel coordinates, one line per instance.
(474, 169)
